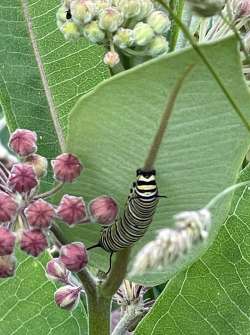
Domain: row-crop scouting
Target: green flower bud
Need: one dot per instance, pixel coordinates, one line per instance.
(207, 8)
(102, 4)
(70, 30)
(61, 15)
(111, 58)
(93, 32)
(129, 8)
(82, 11)
(124, 38)
(159, 21)
(146, 7)
(158, 46)
(143, 33)
(110, 19)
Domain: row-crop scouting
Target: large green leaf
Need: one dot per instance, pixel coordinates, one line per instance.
(213, 295)
(27, 304)
(111, 130)
(29, 37)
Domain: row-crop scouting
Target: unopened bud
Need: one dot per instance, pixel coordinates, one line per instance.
(33, 242)
(72, 210)
(124, 38)
(93, 32)
(39, 164)
(244, 8)
(23, 142)
(61, 15)
(22, 178)
(70, 31)
(55, 270)
(74, 256)
(159, 22)
(7, 241)
(207, 8)
(7, 266)
(146, 8)
(143, 33)
(129, 8)
(110, 19)
(40, 214)
(66, 167)
(8, 207)
(103, 209)
(82, 11)
(111, 58)
(158, 46)
(67, 297)
(102, 4)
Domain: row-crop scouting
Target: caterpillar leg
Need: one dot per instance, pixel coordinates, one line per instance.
(110, 263)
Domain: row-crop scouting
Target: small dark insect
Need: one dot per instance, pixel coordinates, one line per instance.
(68, 14)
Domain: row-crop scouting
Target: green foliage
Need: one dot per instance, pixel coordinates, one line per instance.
(70, 71)
(27, 303)
(111, 130)
(213, 295)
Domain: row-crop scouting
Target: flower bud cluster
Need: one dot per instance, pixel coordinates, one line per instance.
(170, 244)
(73, 258)
(131, 27)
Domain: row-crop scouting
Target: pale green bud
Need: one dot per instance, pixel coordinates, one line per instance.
(70, 31)
(159, 21)
(102, 4)
(158, 46)
(143, 33)
(110, 19)
(207, 8)
(124, 38)
(111, 58)
(93, 32)
(61, 15)
(129, 8)
(146, 8)
(82, 11)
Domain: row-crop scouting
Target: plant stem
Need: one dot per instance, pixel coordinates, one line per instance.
(99, 309)
(177, 7)
(186, 19)
(148, 165)
(206, 62)
(50, 192)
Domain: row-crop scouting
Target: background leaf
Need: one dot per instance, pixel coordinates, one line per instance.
(71, 70)
(213, 295)
(111, 130)
(27, 303)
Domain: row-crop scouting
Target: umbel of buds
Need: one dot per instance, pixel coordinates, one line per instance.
(171, 244)
(126, 26)
(207, 8)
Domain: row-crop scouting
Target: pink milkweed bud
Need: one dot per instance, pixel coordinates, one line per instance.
(33, 242)
(23, 142)
(111, 58)
(67, 297)
(7, 266)
(8, 207)
(74, 256)
(71, 210)
(40, 214)
(66, 167)
(22, 178)
(39, 164)
(244, 7)
(55, 270)
(103, 209)
(110, 19)
(7, 241)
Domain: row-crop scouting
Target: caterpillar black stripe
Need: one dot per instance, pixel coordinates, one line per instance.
(138, 214)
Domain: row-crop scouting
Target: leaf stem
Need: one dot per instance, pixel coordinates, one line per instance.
(153, 151)
(50, 192)
(206, 62)
(177, 7)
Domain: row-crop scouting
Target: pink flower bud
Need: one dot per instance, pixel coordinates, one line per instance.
(103, 209)
(67, 297)
(55, 270)
(40, 214)
(8, 207)
(33, 242)
(39, 164)
(74, 256)
(244, 7)
(111, 58)
(7, 241)
(67, 167)
(7, 266)
(22, 178)
(23, 142)
(71, 209)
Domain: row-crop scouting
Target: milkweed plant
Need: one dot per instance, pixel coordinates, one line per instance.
(125, 85)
